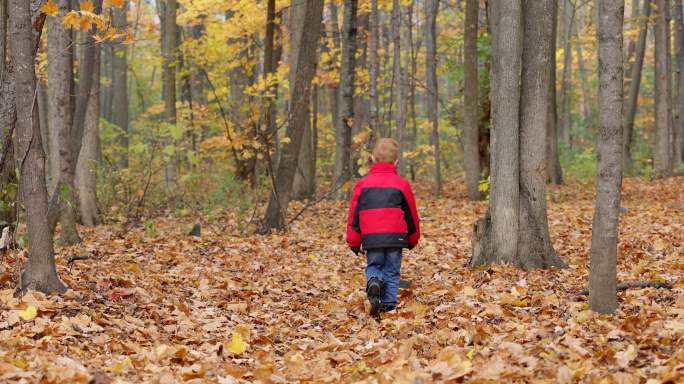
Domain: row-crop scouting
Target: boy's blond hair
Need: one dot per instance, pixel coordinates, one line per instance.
(386, 150)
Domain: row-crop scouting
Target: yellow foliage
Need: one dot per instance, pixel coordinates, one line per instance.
(49, 8)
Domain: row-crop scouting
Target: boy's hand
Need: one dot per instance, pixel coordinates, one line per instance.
(356, 250)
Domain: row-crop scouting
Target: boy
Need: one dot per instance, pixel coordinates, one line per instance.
(383, 220)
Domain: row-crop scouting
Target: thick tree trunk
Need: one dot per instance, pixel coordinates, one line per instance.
(301, 90)
(678, 128)
(398, 89)
(8, 177)
(374, 118)
(505, 94)
(634, 85)
(60, 88)
(86, 172)
(342, 171)
(119, 90)
(662, 159)
(603, 272)
(431, 9)
(534, 243)
(471, 155)
(554, 172)
(3, 35)
(515, 230)
(40, 273)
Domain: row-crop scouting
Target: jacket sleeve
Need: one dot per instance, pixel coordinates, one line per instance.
(411, 216)
(353, 228)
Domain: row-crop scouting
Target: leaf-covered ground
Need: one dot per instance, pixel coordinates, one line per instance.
(165, 307)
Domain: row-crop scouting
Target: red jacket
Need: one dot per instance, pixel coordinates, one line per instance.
(382, 212)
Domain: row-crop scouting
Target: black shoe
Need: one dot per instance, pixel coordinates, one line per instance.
(374, 291)
(388, 308)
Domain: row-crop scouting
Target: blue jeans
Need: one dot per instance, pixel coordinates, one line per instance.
(385, 264)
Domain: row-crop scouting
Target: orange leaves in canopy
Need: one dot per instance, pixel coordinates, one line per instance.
(49, 8)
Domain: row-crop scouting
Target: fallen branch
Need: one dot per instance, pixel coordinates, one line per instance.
(73, 258)
(635, 284)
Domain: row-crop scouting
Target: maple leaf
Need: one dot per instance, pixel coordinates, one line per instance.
(72, 20)
(29, 313)
(49, 8)
(87, 6)
(237, 344)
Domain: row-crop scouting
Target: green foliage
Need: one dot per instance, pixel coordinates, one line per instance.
(484, 187)
(151, 228)
(578, 163)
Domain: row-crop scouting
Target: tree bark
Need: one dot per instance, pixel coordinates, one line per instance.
(471, 154)
(399, 107)
(40, 273)
(301, 90)
(119, 89)
(603, 272)
(554, 172)
(587, 113)
(8, 178)
(662, 159)
(431, 9)
(345, 121)
(634, 85)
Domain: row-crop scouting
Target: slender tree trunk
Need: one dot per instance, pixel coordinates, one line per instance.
(86, 172)
(635, 83)
(40, 273)
(679, 84)
(8, 179)
(413, 59)
(587, 113)
(471, 111)
(306, 68)
(374, 69)
(107, 62)
(3, 35)
(662, 160)
(603, 271)
(342, 172)
(431, 9)
(398, 87)
(333, 90)
(119, 90)
(565, 122)
(554, 172)
(169, 46)
(60, 87)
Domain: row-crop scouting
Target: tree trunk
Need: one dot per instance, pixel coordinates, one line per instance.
(398, 87)
(40, 273)
(678, 128)
(534, 242)
(301, 89)
(662, 160)
(412, 63)
(119, 90)
(86, 172)
(565, 122)
(8, 176)
(505, 93)
(374, 118)
(471, 111)
(635, 83)
(515, 229)
(344, 124)
(60, 88)
(554, 172)
(304, 182)
(169, 45)
(587, 113)
(603, 272)
(431, 9)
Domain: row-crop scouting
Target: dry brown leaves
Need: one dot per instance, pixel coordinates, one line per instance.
(283, 308)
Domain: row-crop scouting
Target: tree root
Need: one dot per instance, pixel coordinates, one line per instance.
(635, 284)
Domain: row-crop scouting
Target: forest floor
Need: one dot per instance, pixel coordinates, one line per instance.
(161, 306)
